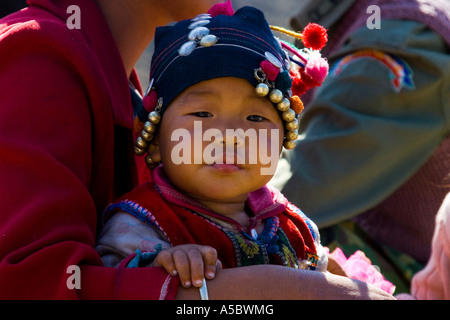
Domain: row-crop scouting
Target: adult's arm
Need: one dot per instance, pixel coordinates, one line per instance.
(272, 282)
(51, 189)
(362, 137)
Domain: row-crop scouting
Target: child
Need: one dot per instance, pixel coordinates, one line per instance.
(224, 92)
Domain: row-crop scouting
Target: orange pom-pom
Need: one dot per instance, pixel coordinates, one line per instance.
(296, 104)
(138, 125)
(314, 36)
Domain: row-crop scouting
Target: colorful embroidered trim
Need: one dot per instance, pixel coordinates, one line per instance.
(135, 210)
(296, 210)
(400, 73)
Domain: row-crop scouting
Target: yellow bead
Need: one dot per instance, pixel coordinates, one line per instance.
(288, 115)
(291, 135)
(292, 125)
(289, 144)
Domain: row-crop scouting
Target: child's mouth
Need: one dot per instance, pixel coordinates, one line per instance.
(225, 167)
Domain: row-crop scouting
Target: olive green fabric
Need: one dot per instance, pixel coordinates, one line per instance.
(360, 139)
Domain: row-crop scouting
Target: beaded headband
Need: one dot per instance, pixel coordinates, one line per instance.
(222, 43)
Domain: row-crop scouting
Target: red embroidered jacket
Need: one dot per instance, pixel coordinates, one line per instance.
(288, 234)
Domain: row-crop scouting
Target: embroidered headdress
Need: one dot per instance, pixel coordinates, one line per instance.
(221, 43)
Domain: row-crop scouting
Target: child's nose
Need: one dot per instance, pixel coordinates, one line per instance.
(230, 137)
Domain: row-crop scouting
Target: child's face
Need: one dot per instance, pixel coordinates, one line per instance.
(194, 140)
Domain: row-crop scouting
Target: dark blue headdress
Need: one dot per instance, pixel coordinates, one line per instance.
(241, 45)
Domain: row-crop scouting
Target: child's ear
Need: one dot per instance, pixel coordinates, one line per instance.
(153, 149)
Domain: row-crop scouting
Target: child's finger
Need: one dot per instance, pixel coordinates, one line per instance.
(197, 267)
(182, 265)
(164, 259)
(211, 263)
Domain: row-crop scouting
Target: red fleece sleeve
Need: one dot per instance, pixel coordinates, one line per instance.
(48, 215)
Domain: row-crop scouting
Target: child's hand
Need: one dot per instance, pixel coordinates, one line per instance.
(191, 262)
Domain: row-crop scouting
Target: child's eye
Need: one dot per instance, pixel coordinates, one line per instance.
(202, 114)
(255, 118)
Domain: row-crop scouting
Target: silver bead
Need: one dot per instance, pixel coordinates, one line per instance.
(288, 115)
(289, 144)
(198, 33)
(291, 135)
(138, 151)
(276, 96)
(146, 136)
(284, 105)
(141, 143)
(150, 127)
(149, 161)
(262, 89)
(292, 125)
(154, 117)
(208, 40)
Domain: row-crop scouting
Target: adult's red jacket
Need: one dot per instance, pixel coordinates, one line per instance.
(65, 152)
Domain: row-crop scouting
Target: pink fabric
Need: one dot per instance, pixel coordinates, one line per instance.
(225, 8)
(359, 267)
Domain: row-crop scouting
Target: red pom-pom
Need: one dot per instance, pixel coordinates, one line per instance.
(298, 87)
(150, 101)
(301, 82)
(315, 36)
(225, 8)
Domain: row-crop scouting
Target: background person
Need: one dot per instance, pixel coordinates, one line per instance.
(371, 162)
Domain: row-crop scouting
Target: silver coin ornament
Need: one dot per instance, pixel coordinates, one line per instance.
(198, 33)
(199, 23)
(202, 16)
(208, 40)
(187, 48)
(272, 59)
